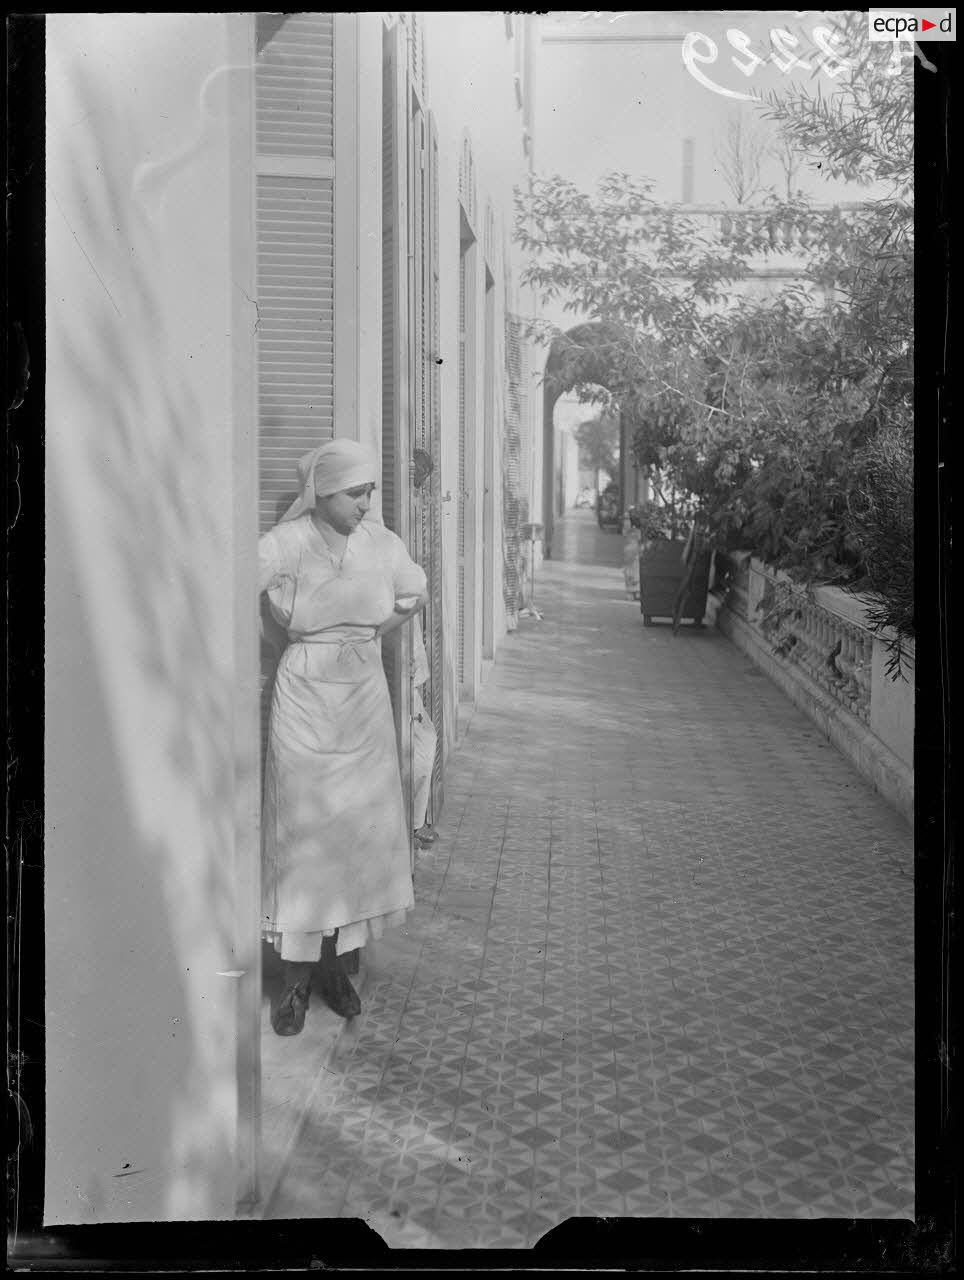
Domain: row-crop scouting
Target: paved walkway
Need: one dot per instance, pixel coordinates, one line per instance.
(661, 963)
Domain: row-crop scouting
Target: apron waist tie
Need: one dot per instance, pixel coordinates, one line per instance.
(348, 649)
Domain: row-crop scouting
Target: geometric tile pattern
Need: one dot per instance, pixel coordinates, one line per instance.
(661, 962)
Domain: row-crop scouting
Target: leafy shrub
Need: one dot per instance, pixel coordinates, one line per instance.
(881, 524)
(788, 421)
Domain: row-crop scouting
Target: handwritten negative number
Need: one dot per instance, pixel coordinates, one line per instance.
(834, 62)
(783, 42)
(741, 43)
(700, 50)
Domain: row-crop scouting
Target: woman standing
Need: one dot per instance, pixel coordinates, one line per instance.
(335, 848)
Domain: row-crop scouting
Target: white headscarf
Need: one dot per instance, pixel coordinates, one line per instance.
(333, 466)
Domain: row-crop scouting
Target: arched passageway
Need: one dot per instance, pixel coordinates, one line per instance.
(577, 357)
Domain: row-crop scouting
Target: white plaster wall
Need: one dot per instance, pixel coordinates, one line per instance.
(570, 470)
(143, 696)
(470, 65)
(892, 703)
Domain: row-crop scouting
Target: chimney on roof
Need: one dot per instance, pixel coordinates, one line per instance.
(688, 146)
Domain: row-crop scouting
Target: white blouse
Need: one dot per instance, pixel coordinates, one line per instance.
(316, 595)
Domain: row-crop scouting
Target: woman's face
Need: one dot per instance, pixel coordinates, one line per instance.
(345, 510)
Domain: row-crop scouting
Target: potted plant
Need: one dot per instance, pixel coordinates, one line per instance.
(673, 569)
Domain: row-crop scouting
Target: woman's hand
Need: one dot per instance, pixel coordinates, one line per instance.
(401, 614)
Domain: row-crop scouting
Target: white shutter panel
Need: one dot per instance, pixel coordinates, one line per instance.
(295, 85)
(295, 330)
(396, 444)
(395, 285)
(294, 119)
(460, 544)
(419, 315)
(294, 102)
(435, 701)
(390, 232)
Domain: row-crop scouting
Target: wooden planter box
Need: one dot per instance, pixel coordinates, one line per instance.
(661, 571)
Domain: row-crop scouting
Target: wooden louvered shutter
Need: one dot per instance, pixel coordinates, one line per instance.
(427, 540)
(488, 433)
(294, 165)
(419, 311)
(295, 235)
(389, 284)
(396, 450)
(433, 631)
(460, 536)
(420, 379)
(391, 178)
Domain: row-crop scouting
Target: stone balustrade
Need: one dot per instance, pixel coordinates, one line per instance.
(835, 652)
(786, 237)
(781, 233)
(817, 644)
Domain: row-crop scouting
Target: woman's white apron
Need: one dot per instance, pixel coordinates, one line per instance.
(335, 844)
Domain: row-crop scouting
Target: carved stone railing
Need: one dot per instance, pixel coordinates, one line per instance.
(817, 643)
(785, 241)
(835, 652)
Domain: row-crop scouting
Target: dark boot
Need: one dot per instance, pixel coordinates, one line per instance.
(340, 995)
(288, 1018)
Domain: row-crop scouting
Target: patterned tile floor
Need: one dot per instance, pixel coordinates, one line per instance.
(661, 962)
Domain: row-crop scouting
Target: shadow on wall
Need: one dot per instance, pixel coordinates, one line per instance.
(119, 1046)
(150, 709)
